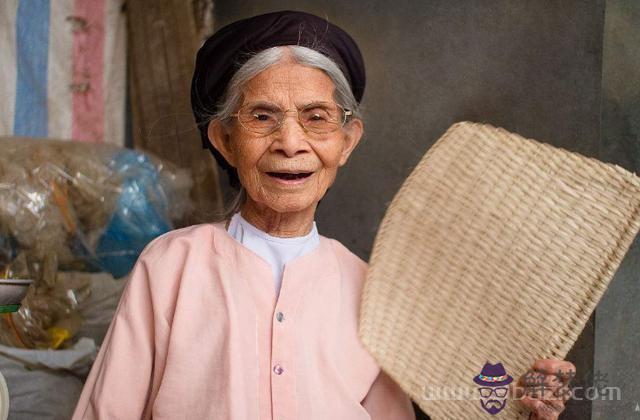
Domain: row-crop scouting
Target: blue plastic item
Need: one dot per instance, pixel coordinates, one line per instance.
(140, 215)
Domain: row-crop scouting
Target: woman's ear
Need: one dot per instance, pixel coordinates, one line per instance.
(221, 141)
(353, 133)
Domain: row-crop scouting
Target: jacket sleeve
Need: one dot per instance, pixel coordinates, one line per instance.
(119, 383)
(387, 401)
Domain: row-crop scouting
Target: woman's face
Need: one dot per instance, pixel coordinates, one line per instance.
(289, 170)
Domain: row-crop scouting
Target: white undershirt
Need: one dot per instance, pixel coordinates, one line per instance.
(275, 250)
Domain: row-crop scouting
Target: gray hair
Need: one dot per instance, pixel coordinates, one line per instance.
(274, 55)
(260, 62)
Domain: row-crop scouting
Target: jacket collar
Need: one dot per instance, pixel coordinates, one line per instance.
(320, 263)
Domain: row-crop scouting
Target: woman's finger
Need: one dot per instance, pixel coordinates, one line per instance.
(543, 409)
(553, 366)
(539, 383)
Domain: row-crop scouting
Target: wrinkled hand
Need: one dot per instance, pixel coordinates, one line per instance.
(544, 389)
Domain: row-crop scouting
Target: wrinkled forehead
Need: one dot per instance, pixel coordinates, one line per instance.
(289, 84)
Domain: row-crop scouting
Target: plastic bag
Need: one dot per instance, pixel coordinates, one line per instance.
(69, 207)
(95, 205)
(49, 316)
(45, 384)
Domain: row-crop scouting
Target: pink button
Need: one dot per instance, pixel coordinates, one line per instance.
(278, 369)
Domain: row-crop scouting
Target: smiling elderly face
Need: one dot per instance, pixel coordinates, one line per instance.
(265, 163)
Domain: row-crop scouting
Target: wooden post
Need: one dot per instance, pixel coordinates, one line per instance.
(163, 38)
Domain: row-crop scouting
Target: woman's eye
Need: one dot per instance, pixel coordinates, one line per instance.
(315, 115)
(261, 116)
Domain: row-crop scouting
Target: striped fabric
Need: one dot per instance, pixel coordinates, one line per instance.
(63, 69)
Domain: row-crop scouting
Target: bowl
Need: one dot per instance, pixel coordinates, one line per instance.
(12, 291)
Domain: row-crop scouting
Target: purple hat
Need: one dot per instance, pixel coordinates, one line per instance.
(493, 375)
(231, 46)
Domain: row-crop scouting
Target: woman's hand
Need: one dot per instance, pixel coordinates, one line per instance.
(544, 389)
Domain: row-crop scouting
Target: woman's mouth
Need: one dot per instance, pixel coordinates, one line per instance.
(290, 178)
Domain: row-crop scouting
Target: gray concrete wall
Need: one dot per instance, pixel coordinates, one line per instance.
(617, 334)
(533, 67)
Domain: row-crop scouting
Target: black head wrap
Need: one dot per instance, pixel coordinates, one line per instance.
(231, 46)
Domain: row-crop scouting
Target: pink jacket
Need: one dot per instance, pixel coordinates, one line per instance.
(199, 334)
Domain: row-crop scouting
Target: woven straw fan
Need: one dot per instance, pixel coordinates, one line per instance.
(496, 249)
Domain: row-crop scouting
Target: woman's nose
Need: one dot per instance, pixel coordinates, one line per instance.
(290, 138)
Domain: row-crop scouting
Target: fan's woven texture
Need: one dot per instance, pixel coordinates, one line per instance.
(496, 248)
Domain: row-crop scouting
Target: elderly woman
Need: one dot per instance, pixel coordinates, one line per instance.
(255, 317)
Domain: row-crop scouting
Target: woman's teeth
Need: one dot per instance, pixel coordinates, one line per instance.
(289, 176)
